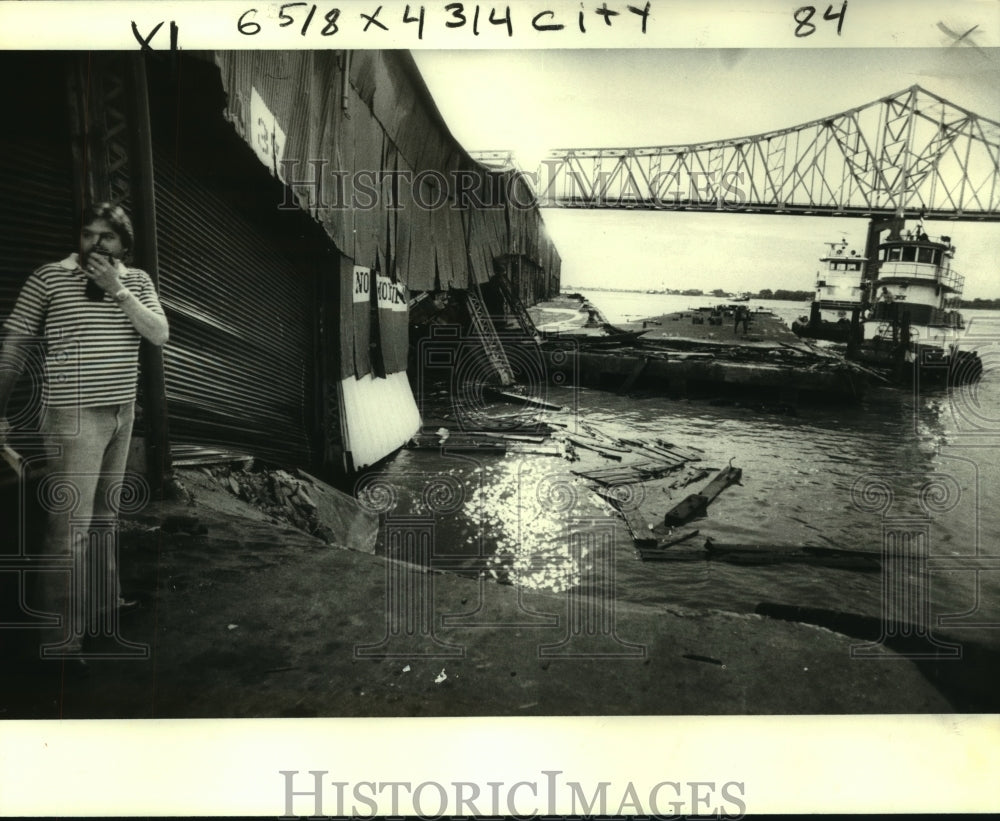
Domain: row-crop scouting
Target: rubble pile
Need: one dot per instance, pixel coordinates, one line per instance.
(276, 493)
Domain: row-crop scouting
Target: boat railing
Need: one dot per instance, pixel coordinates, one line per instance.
(953, 280)
(911, 235)
(945, 277)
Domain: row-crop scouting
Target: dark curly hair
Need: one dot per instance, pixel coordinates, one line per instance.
(116, 217)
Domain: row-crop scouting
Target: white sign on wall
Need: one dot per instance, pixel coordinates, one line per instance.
(362, 284)
(390, 294)
(267, 136)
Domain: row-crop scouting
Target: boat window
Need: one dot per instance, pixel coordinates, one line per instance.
(855, 266)
(909, 254)
(893, 252)
(937, 257)
(926, 255)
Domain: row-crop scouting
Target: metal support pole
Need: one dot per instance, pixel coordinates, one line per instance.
(145, 253)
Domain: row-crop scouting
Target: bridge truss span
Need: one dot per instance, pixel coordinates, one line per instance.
(911, 151)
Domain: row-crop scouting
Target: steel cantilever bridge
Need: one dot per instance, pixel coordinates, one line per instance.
(909, 152)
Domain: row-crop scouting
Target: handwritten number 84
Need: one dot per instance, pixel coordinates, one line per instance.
(803, 16)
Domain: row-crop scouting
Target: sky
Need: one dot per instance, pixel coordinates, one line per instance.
(533, 101)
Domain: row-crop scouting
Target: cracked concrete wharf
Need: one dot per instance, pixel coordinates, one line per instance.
(245, 618)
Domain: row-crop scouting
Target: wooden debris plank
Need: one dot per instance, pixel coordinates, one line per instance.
(673, 541)
(723, 479)
(533, 449)
(603, 442)
(686, 509)
(673, 454)
(629, 478)
(601, 473)
(608, 473)
(518, 437)
(589, 445)
(690, 480)
(597, 434)
(648, 445)
(696, 503)
(456, 443)
(524, 400)
(772, 553)
(636, 523)
(656, 470)
(650, 466)
(681, 555)
(650, 451)
(690, 450)
(660, 456)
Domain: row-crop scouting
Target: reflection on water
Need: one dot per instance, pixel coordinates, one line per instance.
(839, 476)
(524, 509)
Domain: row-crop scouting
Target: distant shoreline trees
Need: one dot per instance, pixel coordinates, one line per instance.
(986, 304)
(781, 293)
(767, 293)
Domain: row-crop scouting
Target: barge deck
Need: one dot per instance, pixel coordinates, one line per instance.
(703, 352)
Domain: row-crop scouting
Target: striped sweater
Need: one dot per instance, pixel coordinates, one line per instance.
(91, 347)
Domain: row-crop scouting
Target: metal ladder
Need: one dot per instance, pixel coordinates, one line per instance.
(516, 306)
(487, 334)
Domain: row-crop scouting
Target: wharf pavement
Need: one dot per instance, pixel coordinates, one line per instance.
(246, 618)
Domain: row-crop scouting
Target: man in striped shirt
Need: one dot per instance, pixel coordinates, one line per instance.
(91, 311)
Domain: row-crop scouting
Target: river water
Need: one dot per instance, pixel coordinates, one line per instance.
(844, 476)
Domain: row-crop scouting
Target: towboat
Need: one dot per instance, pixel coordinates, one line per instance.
(910, 324)
(840, 289)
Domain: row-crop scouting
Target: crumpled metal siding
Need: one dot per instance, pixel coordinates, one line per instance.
(370, 432)
(388, 121)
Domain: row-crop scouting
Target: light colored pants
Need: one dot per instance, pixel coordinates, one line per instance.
(88, 448)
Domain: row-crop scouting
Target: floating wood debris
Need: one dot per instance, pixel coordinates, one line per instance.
(696, 503)
(630, 473)
(457, 443)
(530, 401)
(637, 524)
(801, 554)
(764, 554)
(653, 460)
(588, 443)
(706, 659)
(660, 549)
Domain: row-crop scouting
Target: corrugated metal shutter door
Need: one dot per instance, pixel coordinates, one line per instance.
(37, 220)
(36, 213)
(239, 364)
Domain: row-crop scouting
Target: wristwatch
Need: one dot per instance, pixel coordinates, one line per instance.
(121, 295)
